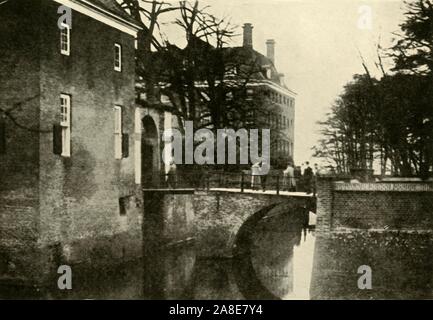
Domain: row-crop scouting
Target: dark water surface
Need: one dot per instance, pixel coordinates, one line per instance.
(275, 262)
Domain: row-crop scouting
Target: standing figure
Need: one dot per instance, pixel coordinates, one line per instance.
(255, 176)
(298, 178)
(289, 182)
(308, 178)
(171, 175)
(263, 178)
(316, 169)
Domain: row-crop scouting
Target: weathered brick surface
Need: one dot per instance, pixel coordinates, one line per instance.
(19, 166)
(220, 215)
(401, 264)
(324, 204)
(385, 226)
(213, 218)
(179, 217)
(378, 210)
(71, 204)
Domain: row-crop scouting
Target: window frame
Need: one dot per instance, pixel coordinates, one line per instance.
(118, 129)
(67, 51)
(117, 60)
(65, 123)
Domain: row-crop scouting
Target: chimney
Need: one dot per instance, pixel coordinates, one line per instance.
(270, 51)
(248, 35)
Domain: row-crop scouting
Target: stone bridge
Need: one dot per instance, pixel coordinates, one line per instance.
(211, 218)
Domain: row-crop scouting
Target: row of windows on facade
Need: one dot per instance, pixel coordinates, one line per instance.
(62, 132)
(282, 146)
(278, 98)
(274, 96)
(279, 121)
(65, 47)
(272, 120)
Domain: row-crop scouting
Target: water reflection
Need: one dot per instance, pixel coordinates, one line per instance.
(302, 267)
(282, 254)
(273, 261)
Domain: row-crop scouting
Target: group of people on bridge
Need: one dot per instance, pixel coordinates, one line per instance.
(293, 178)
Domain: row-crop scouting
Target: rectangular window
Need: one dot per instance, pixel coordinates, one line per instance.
(123, 204)
(65, 40)
(250, 93)
(65, 123)
(118, 132)
(117, 57)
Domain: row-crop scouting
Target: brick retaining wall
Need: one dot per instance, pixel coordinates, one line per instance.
(388, 226)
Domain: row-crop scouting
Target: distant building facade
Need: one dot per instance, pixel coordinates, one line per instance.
(68, 191)
(279, 112)
(253, 95)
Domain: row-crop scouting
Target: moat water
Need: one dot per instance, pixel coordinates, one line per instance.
(277, 265)
(274, 260)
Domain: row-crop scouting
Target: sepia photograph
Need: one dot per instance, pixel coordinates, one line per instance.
(216, 150)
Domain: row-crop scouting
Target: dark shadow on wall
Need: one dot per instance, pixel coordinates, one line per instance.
(266, 242)
(153, 245)
(246, 278)
(80, 177)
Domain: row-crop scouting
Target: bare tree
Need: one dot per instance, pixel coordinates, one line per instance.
(207, 81)
(148, 12)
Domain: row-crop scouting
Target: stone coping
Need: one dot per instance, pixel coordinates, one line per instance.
(384, 187)
(171, 191)
(230, 190)
(265, 193)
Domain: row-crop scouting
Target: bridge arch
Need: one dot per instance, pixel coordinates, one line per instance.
(266, 241)
(220, 215)
(246, 277)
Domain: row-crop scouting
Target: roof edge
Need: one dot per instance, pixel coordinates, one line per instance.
(87, 8)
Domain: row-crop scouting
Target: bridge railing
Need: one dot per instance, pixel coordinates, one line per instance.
(243, 181)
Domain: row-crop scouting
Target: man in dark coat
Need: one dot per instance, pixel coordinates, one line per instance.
(308, 178)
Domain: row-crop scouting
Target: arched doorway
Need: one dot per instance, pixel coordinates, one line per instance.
(149, 153)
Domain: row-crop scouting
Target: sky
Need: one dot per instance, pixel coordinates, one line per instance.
(318, 46)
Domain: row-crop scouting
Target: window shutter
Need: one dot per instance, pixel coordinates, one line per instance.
(125, 145)
(2, 137)
(57, 139)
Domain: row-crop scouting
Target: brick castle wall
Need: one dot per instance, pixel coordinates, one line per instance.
(65, 209)
(81, 198)
(19, 165)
